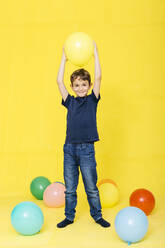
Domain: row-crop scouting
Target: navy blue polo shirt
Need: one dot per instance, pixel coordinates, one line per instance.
(81, 118)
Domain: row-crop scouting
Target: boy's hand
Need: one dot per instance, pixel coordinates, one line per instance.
(64, 54)
(95, 48)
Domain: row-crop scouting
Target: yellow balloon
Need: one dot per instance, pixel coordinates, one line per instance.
(79, 48)
(109, 194)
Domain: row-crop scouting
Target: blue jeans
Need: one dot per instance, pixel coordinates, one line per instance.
(83, 155)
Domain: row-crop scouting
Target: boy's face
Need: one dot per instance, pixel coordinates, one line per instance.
(81, 87)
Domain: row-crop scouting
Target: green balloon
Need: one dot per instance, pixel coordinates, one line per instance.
(38, 186)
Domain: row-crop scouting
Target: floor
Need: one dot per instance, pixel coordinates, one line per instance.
(83, 233)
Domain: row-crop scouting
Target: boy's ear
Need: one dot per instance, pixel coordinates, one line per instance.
(90, 85)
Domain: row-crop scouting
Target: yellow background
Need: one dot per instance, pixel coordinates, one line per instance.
(130, 36)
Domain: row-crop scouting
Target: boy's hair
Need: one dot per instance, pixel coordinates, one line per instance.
(83, 74)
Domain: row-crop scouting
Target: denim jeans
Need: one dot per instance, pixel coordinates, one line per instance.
(80, 155)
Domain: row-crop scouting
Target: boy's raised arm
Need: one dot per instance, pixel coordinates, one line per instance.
(60, 77)
(97, 79)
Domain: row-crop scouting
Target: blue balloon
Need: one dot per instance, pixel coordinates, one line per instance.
(131, 224)
(27, 218)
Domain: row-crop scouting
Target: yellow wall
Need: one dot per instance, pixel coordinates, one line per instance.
(130, 36)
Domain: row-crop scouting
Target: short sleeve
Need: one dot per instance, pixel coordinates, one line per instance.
(67, 101)
(94, 97)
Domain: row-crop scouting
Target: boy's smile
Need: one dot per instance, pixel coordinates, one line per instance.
(81, 87)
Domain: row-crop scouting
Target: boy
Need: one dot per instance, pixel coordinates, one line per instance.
(80, 137)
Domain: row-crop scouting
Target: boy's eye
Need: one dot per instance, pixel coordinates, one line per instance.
(84, 84)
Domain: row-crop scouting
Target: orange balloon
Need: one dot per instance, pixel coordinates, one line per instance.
(54, 195)
(143, 199)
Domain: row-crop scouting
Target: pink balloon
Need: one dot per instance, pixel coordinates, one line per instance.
(54, 195)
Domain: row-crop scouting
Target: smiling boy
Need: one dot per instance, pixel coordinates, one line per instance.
(81, 133)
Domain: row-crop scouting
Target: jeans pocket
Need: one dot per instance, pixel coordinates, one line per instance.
(88, 148)
(66, 148)
(91, 148)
